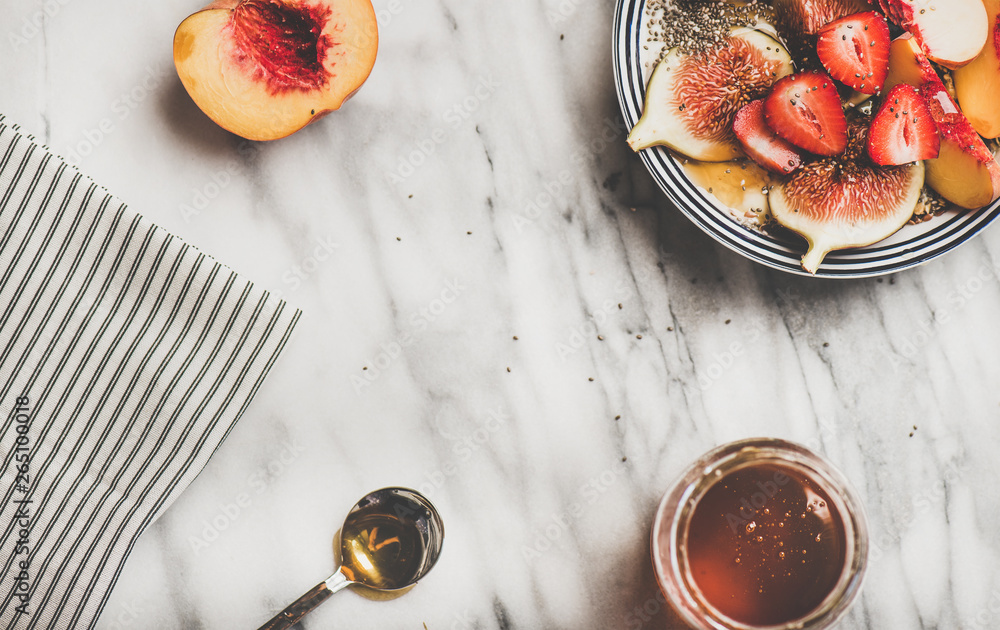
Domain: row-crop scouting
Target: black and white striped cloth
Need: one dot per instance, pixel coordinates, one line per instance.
(126, 356)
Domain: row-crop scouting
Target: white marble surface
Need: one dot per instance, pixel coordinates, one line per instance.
(500, 119)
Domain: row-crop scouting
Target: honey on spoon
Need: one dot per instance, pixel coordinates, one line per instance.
(390, 539)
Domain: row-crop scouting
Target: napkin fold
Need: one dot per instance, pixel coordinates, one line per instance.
(126, 356)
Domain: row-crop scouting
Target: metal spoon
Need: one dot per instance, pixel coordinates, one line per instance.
(390, 539)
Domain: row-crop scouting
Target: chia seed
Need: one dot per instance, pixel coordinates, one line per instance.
(696, 25)
(931, 204)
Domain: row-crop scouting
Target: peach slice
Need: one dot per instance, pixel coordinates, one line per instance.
(977, 84)
(906, 64)
(951, 32)
(263, 69)
(965, 173)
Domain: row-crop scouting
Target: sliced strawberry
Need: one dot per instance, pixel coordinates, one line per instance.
(761, 144)
(855, 51)
(903, 130)
(805, 109)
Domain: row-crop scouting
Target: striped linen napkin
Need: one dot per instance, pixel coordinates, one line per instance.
(126, 356)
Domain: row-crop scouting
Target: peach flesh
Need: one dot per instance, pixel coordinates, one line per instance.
(951, 32)
(977, 84)
(965, 172)
(263, 69)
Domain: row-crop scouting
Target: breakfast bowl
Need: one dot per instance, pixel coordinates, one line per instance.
(636, 52)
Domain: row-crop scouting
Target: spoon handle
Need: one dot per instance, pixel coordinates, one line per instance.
(298, 609)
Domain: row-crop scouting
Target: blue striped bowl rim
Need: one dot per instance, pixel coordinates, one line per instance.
(910, 247)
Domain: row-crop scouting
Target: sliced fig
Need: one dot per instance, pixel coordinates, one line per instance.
(692, 99)
(846, 201)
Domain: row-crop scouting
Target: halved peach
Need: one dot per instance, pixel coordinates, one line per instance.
(263, 69)
(977, 84)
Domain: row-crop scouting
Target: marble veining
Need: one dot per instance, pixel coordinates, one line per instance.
(477, 189)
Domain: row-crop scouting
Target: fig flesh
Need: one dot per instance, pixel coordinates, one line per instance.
(692, 99)
(807, 17)
(846, 201)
